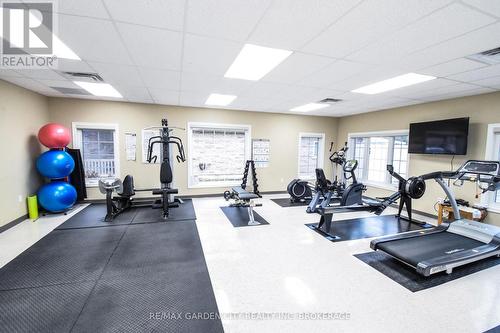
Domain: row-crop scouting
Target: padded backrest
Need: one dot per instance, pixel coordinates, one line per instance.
(165, 173)
(321, 181)
(128, 186)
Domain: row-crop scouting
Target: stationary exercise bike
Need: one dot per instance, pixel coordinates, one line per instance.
(304, 191)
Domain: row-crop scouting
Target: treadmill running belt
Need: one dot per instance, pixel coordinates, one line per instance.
(418, 249)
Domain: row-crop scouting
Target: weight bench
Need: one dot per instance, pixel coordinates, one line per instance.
(243, 198)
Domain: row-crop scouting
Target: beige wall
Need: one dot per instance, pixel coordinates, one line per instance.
(22, 113)
(482, 110)
(282, 130)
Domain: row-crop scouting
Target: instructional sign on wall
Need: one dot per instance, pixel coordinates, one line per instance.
(147, 134)
(130, 146)
(260, 152)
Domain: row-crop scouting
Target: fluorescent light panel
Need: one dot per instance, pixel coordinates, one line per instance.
(254, 62)
(310, 107)
(394, 83)
(220, 99)
(99, 89)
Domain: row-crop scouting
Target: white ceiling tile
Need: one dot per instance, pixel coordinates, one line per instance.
(370, 22)
(91, 8)
(452, 67)
(493, 82)
(9, 72)
(415, 90)
(368, 76)
(93, 39)
(424, 33)
(476, 91)
(67, 65)
(167, 14)
(229, 19)
(29, 84)
(46, 74)
(141, 100)
(132, 92)
(118, 74)
(158, 78)
(488, 6)
(59, 83)
(336, 72)
(208, 55)
(289, 24)
(476, 41)
(296, 67)
(478, 74)
(152, 47)
(213, 84)
(191, 98)
(165, 97)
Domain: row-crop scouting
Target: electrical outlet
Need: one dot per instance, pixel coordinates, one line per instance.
(20, 198)
(282, 180)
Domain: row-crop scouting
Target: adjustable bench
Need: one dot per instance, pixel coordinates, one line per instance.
(243, 198)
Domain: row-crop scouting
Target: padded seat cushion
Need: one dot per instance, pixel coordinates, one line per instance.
(243, 194)
(166, 190)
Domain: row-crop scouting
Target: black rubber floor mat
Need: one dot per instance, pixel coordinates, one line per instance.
(410, 279)
(64, 256)
(286, 202)
(149, 249)
(238, 216)
(185, 211)
(157, 273)
(493, 330)
(366, 227)
(45, 309)
(93, 216)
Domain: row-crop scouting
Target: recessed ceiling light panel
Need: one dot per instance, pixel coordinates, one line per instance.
(99, 89)
(220, 99)
(310, 107)
(394, 83)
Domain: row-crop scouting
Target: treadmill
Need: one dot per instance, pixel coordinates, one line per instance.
(452, 244)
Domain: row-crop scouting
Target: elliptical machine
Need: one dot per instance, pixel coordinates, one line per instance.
(304, 191)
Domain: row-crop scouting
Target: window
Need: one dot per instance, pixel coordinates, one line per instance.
(217, 154)
(311, 147)
(492, 199)
(374, 151)
(98, 144)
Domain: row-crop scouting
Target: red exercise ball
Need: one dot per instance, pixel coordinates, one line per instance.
(54, 136)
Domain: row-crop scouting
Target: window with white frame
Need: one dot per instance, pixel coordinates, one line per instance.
(311, 147)
(98, 144)
(217, 154)
(374, 151)
(492, 199)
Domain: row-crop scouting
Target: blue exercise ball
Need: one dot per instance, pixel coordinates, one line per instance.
(57, 196)
(55, 164)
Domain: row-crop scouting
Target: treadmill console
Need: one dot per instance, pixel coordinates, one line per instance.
(350, 165)
(479, 170)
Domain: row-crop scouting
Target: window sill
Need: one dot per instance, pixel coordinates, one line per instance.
(212, 185)
(389, 187)
(495, 208)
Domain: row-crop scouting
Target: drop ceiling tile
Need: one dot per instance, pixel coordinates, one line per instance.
(473, 42)
(336, 72)
(93, 39)
(415, 90)
(92, 8)
(424, 33)
(208, 55)
(296, 67)
(133, 92)
(152, 47)
(228, 19)
(493, 82)
(368, 76)
(165, 97)
(9, 72)
(478, 74)
(67, 65)
(370, 22)
(118, 74)
(472, 92)
(289, 24)
(193, 98)
(452, 67)
(45, 74)
(213, 84)
(163, 79)
(30, 84)
(59, 83)
(168, 14)
(488, 6)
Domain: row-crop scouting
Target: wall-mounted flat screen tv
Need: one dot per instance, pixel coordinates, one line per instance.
(448, 137)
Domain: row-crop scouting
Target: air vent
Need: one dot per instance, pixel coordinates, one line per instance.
(490, 57)
(330, 100)
(71, 91)
(87, 77)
